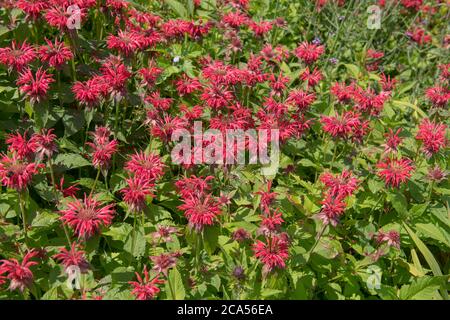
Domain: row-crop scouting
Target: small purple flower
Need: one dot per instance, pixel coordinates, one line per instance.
(333, 60)
(317, 41)
(239, 273)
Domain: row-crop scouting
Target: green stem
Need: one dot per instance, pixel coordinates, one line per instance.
(95, 183)
(56, 195)
(431, 191)
(22, 210)
(133, 239)
(319, 235)
(172, 293)
(334, 153)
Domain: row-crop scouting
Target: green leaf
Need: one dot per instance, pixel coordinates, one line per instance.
(353, 70)
(71, 160)
(432, 231)
(174, 285)
(119, 231)
(405, 104)
(421, 288)
(375, 185)
(178, 8)
(398, 201)
(211, 238)
(139, 244)
(45, 219)
(428, 257)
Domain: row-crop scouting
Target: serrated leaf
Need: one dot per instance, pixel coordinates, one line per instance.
(177, 7)
(428, 257)
(174, 285)
(421, 288)
(71, 161)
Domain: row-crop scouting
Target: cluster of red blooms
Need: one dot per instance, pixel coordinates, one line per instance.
(337, 188)
(18, 57)
(87, 216)
(439, 95)
(145, 288)
(109, 84)
(18, 273)
(145, 169)
(73, 257)
(18, 168)
(200, 207)
(432, 136)
(102, 148)
(274, 251)
(354, 124)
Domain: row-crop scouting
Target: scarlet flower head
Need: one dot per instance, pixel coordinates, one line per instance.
(126, 42)
(432, 136)
(146, 165)
(16, 173)
(395, 171)
(333, 208)
(89, 93)
(271, 222)
(150, 75)
(393, 140)
(267, 197)
(136, 192)
(193, 186)
(87, 216)
(235, 19)
(73, 257)
(261, 28)
(70, 191)
(34, 86)
(114, 77)
(55, 54)
(102, 148)
(368, 101)
(19, 273)
(17, 56)
(163, 127)
(343, 125)
(44, 144)
(342, 92)
(187, 85)
(273, 253)
(200, 211)
(301, 99)
(311, 77)
(438, 95)
(33, 8)
(419, 36)
(387, 84)
(144, 288)
(19, 144)
(309, 52)
(341, 184)
(57, 16)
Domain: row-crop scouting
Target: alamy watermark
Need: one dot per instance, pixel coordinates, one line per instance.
(74, 19)
(227, 147)
(374, 19)
(373, 282)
